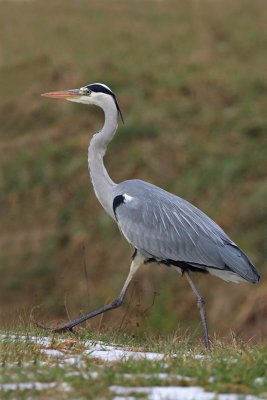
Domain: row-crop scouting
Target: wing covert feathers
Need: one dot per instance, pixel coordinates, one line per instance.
(163, 227)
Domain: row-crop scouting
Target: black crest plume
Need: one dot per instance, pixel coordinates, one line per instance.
(98, 88)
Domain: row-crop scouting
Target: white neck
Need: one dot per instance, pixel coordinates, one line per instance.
(102, 183)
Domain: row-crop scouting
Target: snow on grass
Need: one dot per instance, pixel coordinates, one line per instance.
(173, 393)
(71, 356)
(160, 376)
(7, 387)
(114, 353)
(99, 350)
(260, 381)
(52, 352)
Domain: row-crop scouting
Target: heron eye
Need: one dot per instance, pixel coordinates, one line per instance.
(86, 91)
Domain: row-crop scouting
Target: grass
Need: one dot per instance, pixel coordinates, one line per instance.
(230, 368)
(191, 85)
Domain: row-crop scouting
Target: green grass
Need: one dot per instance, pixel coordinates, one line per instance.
(229, 368)
(192, 88)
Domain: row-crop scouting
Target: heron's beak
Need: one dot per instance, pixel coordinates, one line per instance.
(63, 94)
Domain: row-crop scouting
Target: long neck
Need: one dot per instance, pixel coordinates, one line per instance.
(102, 183)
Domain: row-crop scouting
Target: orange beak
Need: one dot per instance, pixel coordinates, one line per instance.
(63, 94)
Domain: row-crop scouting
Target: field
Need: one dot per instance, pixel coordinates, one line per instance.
(191, 80)
(115, 366)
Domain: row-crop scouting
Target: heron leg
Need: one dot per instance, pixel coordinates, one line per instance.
(135, 265)
(201, 306)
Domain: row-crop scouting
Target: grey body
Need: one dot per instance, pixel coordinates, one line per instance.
(162, 227)
(166, 228)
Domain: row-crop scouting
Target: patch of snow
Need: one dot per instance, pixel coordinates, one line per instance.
(7, 387)
(52, 352)
(93, 374)
(196, 356)
(174, 393)
(261, 380)
(115, 354)
(74, 360)
(45, 341)
(111, 353)
(160, 376)
(124, 398)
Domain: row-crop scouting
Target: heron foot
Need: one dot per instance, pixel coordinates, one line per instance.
(55, 329)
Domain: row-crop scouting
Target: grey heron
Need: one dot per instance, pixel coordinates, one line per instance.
(161, 227)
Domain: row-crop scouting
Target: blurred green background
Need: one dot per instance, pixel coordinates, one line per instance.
(190, 77)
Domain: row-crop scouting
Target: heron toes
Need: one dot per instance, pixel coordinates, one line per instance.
(56, 329)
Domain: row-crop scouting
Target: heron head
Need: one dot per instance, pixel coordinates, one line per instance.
(95, 93)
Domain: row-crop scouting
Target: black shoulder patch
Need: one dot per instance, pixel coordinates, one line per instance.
(118, 200)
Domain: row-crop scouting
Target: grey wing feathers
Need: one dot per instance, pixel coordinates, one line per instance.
(165, 227)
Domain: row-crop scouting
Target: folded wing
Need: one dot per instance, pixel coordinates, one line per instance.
(165, 227)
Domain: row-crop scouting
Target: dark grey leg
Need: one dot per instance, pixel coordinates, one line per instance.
(135, 265)
(201, 306)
